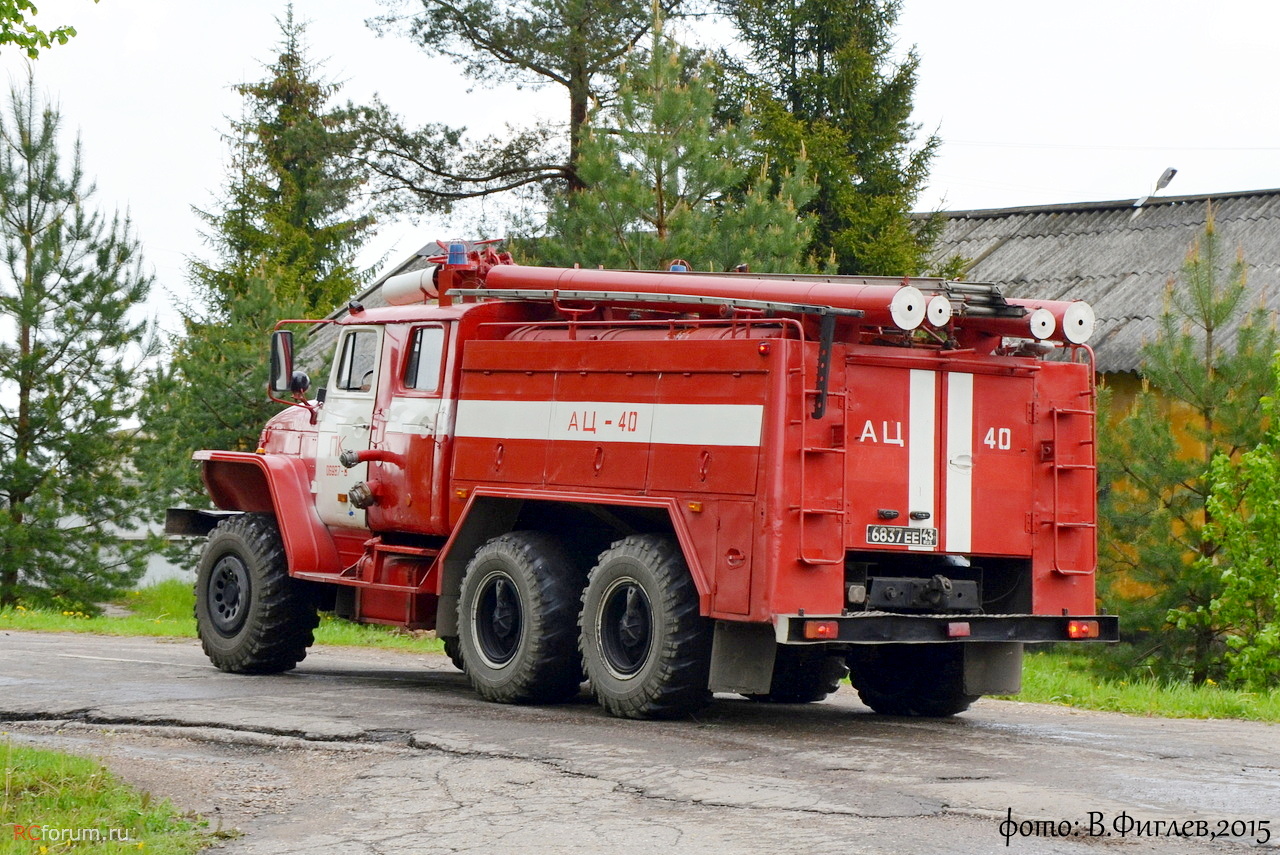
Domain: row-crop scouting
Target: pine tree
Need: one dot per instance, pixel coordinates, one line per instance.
(1203, 376)
(823, 80)
(284, 238)
(70, 354)
(657, 181)
(577, 45)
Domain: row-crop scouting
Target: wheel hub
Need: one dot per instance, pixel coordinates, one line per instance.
(228, 594)
(499, 619)
(626, 628)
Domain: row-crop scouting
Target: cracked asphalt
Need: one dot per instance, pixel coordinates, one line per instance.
(374, 752)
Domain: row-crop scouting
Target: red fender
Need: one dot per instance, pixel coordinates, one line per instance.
(463, 538)
(279, 485)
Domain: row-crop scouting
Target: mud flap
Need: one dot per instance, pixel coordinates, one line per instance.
(742, 658)
(992, 668)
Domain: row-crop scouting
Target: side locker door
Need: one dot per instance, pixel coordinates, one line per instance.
(345, 422)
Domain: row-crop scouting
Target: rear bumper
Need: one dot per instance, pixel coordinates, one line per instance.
(887, 628)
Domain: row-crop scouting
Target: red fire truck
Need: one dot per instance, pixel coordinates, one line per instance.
(670, 484)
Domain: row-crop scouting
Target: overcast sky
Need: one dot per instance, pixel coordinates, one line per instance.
(1036, 103)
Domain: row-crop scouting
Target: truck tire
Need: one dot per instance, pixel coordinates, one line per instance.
(646, 647)
(453, 649)
(911, 679)
(252, 617)
(803, 675)
(518, 620)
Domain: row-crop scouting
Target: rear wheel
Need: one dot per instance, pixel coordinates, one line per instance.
(911, 679)
(518, 620)
(645, 646)
(803, 675)
(252, 617)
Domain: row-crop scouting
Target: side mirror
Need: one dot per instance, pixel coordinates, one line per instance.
(299, 383)
(282, 374)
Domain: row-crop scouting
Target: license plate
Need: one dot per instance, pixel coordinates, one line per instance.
(901, 535)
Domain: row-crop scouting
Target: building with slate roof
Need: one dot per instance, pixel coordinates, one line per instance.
(1116, 257)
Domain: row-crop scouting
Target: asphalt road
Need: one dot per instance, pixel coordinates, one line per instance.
(366, 752)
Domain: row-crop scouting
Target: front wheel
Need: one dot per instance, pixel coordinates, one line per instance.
(645, 646)
(911, 679)
(518, 620)
(252, 617)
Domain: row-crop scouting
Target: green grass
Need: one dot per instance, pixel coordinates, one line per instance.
(1071, 680)
(162, 601)
(64, 802)
(166, 610)
(343, 633)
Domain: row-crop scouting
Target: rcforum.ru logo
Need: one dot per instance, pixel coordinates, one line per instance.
(55, 834)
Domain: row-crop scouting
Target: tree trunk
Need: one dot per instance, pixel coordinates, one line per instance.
(579, 101)
(8, 588)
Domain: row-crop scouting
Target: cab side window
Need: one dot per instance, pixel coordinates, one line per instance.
(426, 352)
(358, 361)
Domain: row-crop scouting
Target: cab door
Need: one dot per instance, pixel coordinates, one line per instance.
(345, 423)
(415, 430)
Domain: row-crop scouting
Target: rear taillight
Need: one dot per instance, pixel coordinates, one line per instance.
(821, 629)
(1083, 629)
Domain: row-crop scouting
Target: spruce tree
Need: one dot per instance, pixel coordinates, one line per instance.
(283, 239)
(71, 348)
(1203, 375)
(658, 176)
(824, 81)
(295, 200)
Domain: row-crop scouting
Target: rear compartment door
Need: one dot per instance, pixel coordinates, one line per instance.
(987, 464)
(938, 461)
(891, 458)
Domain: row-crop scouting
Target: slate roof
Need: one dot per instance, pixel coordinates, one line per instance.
(1101, 253)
